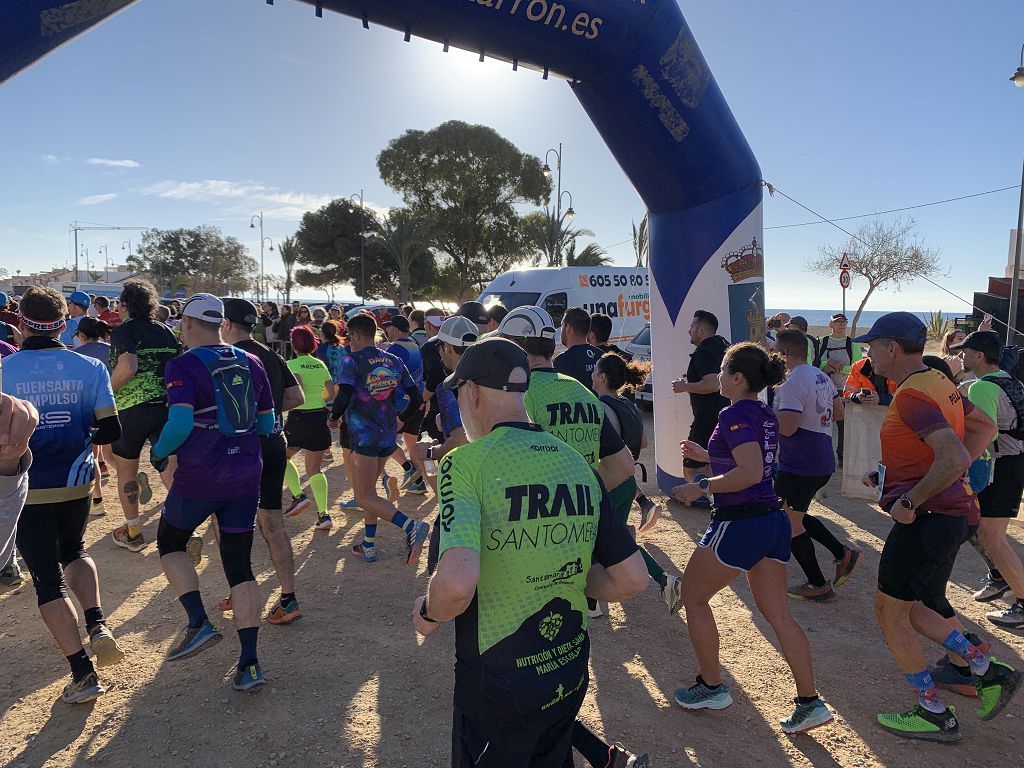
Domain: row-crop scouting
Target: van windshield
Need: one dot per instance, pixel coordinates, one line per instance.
(644, 337)
(510, 299)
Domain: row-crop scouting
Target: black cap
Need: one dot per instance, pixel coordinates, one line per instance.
(475, 311)
(981, 341)
(241, 311)
(400, 322)
(494, 363)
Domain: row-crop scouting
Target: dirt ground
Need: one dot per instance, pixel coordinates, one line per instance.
(350, 685)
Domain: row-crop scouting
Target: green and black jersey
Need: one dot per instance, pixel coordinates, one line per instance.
(572, 413)
(538, 515)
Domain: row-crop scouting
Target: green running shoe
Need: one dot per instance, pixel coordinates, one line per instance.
(805, 717)
(701, 696)
(996, 687)
(923, 725)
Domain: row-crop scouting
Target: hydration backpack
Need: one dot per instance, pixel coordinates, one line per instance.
(1009, 361)
(233, 393)
(821, 348)
(1014, 390)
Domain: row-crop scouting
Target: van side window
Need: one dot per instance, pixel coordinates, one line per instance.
(556, 304)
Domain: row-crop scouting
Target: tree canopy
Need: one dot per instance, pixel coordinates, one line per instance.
(197, 259)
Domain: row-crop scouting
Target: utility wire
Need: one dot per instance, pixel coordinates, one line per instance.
(773, 189)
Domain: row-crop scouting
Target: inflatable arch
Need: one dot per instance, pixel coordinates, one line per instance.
(637, 71)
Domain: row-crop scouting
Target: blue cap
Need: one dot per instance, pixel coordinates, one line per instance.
(3, 299)
(80, 298)
(899, 326)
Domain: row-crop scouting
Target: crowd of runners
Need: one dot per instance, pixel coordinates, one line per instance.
(532, 457)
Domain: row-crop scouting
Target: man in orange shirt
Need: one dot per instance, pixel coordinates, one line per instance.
(865, 387)
(929, 436)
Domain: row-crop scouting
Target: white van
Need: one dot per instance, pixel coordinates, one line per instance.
(622, 293)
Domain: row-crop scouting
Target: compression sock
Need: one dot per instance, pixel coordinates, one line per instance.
(817, 531)
(192, 602)
(927, 696)
(370, 536)
(93, 618)
(247, 639)
(318, 484)
(961, 646)
(995, 575)
(80, 664)
(403, 522)
(407, 465)
(588, 744)
(806, 699)
(291, 479)
(803, 551)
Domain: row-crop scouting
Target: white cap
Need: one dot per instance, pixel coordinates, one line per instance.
(435, 320)
(527, 323)
(204, 306)
(458, 331)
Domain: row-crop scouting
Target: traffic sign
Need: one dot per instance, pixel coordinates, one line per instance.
(844, 279)
(844, 263)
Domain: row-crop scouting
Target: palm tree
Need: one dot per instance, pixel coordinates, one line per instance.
(592, 255)
(289, 250)
(550, 237)
(406, 237)
(641, 243)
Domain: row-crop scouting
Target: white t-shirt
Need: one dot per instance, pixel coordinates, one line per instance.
(809, 392)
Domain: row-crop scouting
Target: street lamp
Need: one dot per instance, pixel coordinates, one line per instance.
(569, 213)
(127, 246)
(362, 245)
(252, 225)
(1011, 325)
(106, 263)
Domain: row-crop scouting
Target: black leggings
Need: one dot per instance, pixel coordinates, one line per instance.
(936, 599)
(50, 538)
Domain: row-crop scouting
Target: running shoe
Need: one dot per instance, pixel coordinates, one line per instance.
(104, 470)
(299, 505)
(324, 523)
(923, 725)
(409, 476)
(1011, 618)
(414, 541)
(701, 696)
(948, 678)
(328, 457)
(813, 594)
(620, 757)
(991, 589)
(672, 593)
(193, 640)
(419, 487)
(96, 509)
(390, 488)
(248, 677)
(284, 613)
(225, 604)
(650, 511)
(350, 506)
(595, 612)
(81, 691)
(847, 566)
(806, 717)
(145, 491)
(124, 541)
(11, 575)
(996, 687)
(194, 550)
(104, 646)
(368, 554)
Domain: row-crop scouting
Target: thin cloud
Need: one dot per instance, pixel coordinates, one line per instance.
(97, 199)
(109, 163)
(51, 160)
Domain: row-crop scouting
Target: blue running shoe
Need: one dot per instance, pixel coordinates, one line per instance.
(701, 696)
(414, 541)
(248, 677)
(368, 554)
(350, 506)
(409, 477)
(806, 716)
(418, 487)
(194, 640)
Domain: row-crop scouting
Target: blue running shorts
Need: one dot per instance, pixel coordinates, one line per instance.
(237, 515)
(742, 544)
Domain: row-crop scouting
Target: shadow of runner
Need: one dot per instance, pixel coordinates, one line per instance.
(65, 724)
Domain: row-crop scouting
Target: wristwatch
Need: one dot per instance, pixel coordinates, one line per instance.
(430, 453)
(705, 485)
(423, 612)
(905, 502)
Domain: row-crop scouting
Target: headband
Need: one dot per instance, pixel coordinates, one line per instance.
(41, 325)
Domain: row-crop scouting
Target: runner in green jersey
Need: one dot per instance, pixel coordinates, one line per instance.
(522, 517)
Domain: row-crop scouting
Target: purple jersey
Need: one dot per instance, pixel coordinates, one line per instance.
(748, 421)
(375, 377)
(213, 466)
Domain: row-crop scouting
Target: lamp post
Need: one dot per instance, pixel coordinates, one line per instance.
(84, 254)
(271, 249)
(126, 245)
(362, 245)
(569, 212)
(106, 264)
(252, 225)
(1011, 324)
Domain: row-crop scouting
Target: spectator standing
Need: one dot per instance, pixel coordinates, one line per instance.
(953, 338)
(836, 354)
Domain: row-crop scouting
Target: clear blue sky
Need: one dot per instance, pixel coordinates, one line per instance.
(191, 112)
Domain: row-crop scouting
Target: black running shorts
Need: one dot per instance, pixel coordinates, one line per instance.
(1001, 498)
(918, 558)
(798, 490)
(275, 458)
(497, 743)
(308, 430)
(138, 424)
(50, 537)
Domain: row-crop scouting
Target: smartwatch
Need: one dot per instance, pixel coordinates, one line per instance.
(423, 612)
(705, 485)
(905, 502)
(430, 453)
